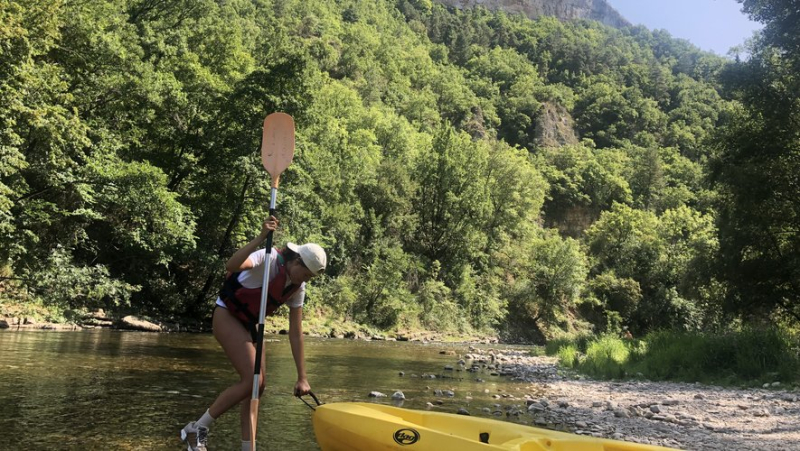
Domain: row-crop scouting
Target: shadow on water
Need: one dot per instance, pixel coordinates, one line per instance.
(127, 390)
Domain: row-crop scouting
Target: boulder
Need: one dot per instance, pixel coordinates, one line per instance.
(132, 322)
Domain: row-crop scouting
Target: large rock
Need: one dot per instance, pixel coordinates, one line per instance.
(99, 315)
(598, 10)
(571, 221)
(555, 127)
(132, 322)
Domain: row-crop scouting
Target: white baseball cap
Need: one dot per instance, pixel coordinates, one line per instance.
(313, 256)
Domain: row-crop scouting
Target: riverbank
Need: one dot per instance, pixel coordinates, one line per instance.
(314, 324)
(90, 320)
(688, 416)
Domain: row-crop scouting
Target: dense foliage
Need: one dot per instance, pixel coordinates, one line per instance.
(757, 169)
(466, 170)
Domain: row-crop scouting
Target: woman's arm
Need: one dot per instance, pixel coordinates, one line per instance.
(239, 260)
(296, 340)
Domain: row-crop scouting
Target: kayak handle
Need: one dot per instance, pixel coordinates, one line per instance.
(312, 397)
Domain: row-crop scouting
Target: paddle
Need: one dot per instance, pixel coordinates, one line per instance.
(277, 150)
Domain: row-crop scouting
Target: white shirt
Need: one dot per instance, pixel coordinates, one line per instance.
(252, 278)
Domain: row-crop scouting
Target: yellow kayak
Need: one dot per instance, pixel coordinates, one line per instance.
(346, 426)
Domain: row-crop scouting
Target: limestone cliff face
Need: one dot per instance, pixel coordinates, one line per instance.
(554, 127)
(598, 10)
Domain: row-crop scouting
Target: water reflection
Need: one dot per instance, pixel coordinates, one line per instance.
(134, 391)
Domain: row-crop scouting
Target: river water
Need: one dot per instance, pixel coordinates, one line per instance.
(112, 390)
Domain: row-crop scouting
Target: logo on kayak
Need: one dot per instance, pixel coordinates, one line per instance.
(406, 436)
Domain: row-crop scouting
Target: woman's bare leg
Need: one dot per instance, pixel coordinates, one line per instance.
(238, 345)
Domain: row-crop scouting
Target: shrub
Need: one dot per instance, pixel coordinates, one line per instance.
(606, 358)
(746, 355)
(568, 356)
(579, 341)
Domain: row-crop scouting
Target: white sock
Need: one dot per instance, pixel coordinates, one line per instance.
(245, 445)
(205, 421)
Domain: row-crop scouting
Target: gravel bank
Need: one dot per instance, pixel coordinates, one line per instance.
(678, 415)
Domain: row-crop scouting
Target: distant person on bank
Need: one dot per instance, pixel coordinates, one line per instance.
(626, 334)
(235, 319)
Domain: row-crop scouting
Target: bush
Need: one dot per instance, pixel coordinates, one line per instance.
(606, 358)
(763, 351)
(568, 356)
(668, 354)
(747, 355)
(750, 355)
(579, 341)
(67, 285)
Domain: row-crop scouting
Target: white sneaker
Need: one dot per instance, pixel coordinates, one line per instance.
(200, 437)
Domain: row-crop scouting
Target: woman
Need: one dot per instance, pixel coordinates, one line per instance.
(235, 319)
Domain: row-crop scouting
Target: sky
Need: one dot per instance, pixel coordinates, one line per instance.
(715, 25)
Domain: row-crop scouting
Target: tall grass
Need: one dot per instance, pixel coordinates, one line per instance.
(568, 356)
(746, 356)
(605, 358)
(578, 341)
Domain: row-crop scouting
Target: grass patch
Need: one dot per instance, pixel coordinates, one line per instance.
(568, 356)
(748, 356)
(605, 358)
(579, 341)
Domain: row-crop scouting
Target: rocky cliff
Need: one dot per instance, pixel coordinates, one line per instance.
(598, 10)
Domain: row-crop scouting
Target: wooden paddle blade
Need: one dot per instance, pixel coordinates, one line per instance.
(277, 145)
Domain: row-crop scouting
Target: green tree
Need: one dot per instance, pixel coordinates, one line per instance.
(382, 289)
(451, 201)
(611, 114)
(515, 190)
(612, 302)
(669, 257)
(757, 167)
(548, 276)
(583, 183)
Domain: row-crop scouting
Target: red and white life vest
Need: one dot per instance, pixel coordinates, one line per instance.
(245, 303)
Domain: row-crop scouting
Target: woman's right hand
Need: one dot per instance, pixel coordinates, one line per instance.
(270, 225)
(240, 260)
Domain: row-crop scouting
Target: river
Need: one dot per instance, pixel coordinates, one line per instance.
(104, 389)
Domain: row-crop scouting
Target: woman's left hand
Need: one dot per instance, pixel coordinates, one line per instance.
(301, 388)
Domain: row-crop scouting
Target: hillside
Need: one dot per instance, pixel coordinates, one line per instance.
(465, 169)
